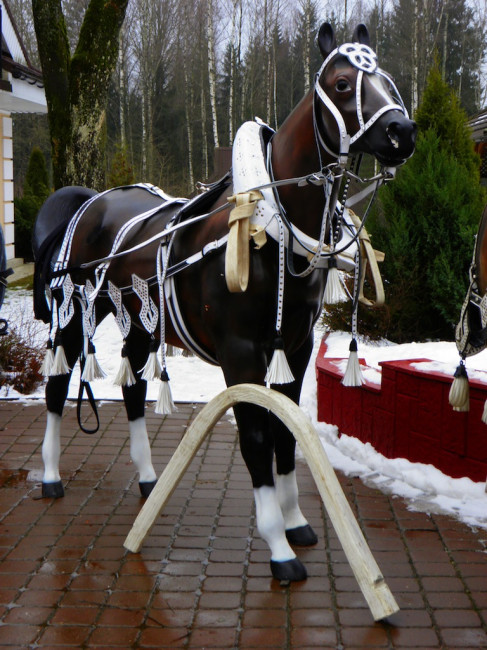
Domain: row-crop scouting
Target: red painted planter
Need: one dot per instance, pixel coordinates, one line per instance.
(408, 415)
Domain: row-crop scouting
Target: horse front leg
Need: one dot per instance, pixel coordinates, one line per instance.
(298, 531)
(257, 448)
(134, 399)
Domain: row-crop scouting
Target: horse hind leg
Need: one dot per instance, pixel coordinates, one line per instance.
(140, 453)
(56, 393)
(52, 485)
(134, 399)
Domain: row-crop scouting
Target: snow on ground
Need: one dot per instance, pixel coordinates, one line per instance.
(424, 487)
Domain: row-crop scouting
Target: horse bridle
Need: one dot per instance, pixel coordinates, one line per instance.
(364, 59)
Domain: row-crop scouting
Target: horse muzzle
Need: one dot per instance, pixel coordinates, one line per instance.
(394, 140)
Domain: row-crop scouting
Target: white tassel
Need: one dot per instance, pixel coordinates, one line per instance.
(353, 374)
(60, 363)
(279, 371)
(47, 364)
(152, 369)
(334, 291)
(484, 419)
(459, 396)
(125, 375)
(92, 369)
(164, 404)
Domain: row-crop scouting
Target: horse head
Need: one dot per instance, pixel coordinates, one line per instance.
(355, 95)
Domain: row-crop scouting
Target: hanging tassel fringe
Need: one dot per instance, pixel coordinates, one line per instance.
(484, 418)
(459, 397)
(125, 375)
(60, 363)
(164, 404)
(279, 371)
(92, 369)
(152, 369)
(47, 364)
(353, 374)
(334, 291)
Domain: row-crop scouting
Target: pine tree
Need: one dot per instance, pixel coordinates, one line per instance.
(427, 221)
(36, 191)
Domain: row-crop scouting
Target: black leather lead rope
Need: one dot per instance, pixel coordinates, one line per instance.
(84, 385)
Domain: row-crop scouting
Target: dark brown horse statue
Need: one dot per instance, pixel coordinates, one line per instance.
(170, 270)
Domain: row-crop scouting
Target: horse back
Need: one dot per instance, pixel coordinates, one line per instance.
(50, 225)
(55, 214)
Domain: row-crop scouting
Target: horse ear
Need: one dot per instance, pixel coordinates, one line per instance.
(361, 35)
(326, 39)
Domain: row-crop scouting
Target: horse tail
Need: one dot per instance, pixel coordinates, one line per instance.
(51, 223)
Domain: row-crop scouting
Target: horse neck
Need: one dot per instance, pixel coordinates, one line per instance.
(295, 153)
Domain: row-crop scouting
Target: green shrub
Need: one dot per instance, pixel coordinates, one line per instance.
(36, 191)
(121, 171)
(20, 363)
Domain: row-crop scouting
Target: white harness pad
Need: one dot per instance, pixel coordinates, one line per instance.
(249, 171)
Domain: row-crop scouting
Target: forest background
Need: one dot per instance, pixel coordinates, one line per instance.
(189, 72)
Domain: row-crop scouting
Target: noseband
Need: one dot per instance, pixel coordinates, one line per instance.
(364, 59)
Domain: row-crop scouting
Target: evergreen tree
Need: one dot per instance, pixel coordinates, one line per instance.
(36, 191)
(427, 222)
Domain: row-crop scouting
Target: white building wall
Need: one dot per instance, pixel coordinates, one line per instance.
(7, 183)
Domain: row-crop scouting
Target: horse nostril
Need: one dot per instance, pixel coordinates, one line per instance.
(401, 131)
(394, 131)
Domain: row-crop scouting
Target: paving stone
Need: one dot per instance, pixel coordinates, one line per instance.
(202, 578)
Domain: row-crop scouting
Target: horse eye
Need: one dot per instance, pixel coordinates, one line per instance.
(342, 86)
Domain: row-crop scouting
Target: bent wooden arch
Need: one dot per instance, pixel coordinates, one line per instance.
(374, 588)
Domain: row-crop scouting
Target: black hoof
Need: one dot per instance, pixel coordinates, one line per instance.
(146, 488)
(52, 490)
(289, 570)
(302, 536)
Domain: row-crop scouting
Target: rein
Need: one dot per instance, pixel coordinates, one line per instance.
(320, 177)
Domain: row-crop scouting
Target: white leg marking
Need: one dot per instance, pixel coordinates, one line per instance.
(287, 493)
(51, 448)
(140, 450)
(270, 523)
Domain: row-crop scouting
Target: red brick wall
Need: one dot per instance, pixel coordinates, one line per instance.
(408, 416)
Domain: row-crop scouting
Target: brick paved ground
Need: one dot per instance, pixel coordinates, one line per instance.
(202, 578)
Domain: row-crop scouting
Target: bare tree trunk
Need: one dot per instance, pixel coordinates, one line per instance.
(212, 72)
(233, 48)
(188, 104)
(204, 135)
(414, 60)
(274, 85)
(144, 135)
(122, 91)
(445, 45)
(307, 45)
